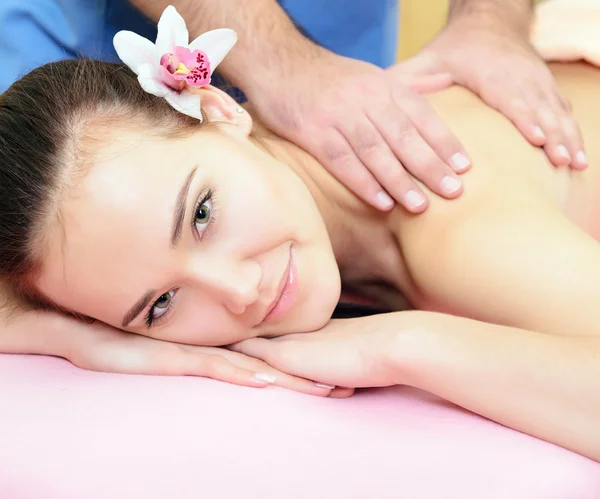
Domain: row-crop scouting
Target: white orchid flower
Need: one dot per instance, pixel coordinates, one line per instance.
(170, 66)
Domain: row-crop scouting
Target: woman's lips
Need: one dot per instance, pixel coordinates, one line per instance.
(289, 293)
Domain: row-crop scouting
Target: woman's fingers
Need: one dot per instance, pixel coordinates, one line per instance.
(217, 367)
(300, 385)
(240, 369)
(341, 393)
(111, 350)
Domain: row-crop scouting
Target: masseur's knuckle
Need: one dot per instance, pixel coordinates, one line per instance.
(406, 135)
(563, 103)
(402, 94)
(336, 155)
(322, 119)
(547, 117)
(490, 93)
(369, 145)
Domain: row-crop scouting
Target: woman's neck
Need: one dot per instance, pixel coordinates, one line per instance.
(359, 234)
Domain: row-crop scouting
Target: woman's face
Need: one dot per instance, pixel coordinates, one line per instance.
(204, 240)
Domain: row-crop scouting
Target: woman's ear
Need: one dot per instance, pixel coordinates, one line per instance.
(220, 108)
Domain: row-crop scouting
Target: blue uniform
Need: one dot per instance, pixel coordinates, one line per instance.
(34, 32)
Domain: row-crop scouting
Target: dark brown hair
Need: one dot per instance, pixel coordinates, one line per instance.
(41, 121)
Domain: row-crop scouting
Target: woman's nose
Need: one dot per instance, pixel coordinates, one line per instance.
(236, 284)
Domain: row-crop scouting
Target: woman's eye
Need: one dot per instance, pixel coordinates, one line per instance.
(202, 215)
(162, 304)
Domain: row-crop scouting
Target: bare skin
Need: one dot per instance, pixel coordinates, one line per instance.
(520, 275)
(383, 275)
(367, 126)
(524, 263)
(507, 320)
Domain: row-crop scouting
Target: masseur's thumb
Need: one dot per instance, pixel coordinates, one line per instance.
(422, 74)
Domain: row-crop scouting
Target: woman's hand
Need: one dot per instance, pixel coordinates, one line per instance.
(348, 352)
(98, 347)
(503, 68)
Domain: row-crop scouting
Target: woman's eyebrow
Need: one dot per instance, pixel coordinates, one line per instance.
(180, 204)
(137, 308)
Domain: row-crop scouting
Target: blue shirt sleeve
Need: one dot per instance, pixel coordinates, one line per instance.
(35, 32)
(361, 29)
(32, 34)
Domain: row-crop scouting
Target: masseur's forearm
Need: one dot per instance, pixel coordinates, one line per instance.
(544, 385)
(512, 15)
(269, 43)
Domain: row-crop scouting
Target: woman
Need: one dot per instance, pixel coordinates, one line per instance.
(115, 207)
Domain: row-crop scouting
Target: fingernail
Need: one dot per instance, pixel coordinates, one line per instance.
(450, 184)
(414, 199)
(460, 162)
(327, 387)
(538, 133)
(581, 158)
(384, 200)
(267, 378)
(563, 151)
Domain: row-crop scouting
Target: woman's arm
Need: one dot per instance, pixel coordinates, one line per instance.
(521, 263)
(98, 347)
(517, 262)
(544, 385)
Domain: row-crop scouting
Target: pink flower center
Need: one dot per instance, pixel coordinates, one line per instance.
(188, 67)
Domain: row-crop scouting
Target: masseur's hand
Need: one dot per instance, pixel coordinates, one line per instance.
(103, 348)
(374, 136)
(347, 352)
(504, 69)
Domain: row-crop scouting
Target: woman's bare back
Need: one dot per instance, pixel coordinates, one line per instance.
(498, 149)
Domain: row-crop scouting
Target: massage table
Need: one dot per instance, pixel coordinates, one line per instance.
(66, 433)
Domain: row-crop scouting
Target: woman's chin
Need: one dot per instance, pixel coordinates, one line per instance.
(320, 307)
(312, 314)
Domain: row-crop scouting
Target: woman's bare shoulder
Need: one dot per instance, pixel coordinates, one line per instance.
(505, 255)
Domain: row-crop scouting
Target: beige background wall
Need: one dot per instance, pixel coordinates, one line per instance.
(420, 21)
